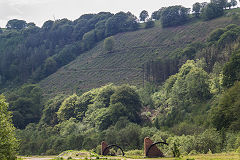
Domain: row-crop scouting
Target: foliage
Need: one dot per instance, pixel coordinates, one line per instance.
(143, 15)
(189, 86)
(125, 102)
(233, 3)
(174, 16)
(149, 24)
(30, 53)
(157, 14)
(69, 108)
(177, 112)
(8, 142)
(121, 22)
(224, 115)
(231, 70)
(212, 10)
(49, 113)
(89, 39)
(109, 44)
(200, 143)
(26, 105)
(16, 24)
(215, 34)
(197, 7)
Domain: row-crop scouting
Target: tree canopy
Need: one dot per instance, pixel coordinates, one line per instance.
(109, 44)
(231, 70)
(225, 114)
(16, 24)
(143, 15)
(212, 10)
(174, 16)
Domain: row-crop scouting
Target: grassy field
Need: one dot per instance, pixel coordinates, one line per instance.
(220, 156)
(124, 65)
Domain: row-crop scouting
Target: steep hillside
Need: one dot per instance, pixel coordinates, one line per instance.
(124, 65)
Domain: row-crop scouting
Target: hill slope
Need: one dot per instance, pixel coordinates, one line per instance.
(124, 65)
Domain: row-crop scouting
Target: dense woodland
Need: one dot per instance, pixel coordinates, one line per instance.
(190, 98)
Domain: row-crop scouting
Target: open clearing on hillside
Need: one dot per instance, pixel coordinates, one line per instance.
(132, 50)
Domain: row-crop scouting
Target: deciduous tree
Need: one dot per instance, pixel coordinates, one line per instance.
(174, 16)
(16, 24)
(109, 44)
(8, 142)
(143, 15)
(196, 9)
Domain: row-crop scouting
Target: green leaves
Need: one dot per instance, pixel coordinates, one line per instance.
(109, 44)
(8, 142)
(225, 114)
(182, 91)
(231, 70)
(26, 104)
(174, 16)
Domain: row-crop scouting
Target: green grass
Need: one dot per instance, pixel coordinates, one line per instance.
(219, 156)
(124, 65)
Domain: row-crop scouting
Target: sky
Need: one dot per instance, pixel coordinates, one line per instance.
(39, 11)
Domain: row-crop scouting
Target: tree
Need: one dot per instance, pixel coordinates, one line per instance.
(89, 39)
(174, 16)
(229, 5)
(221, 3)
(182, 91)
(216, 34)
(47, 25)
(196, 9)
(109, 44)
(125, 102)
(143, 15)
(157, 14)
(8, 142)
(211, 11)
(49, 113)
(50, 66)
(31, 24)
(121, 22)
(16, 24)
(231, 70)
(225, 114)
(26, 105)
(233, 3)
(69, 108)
